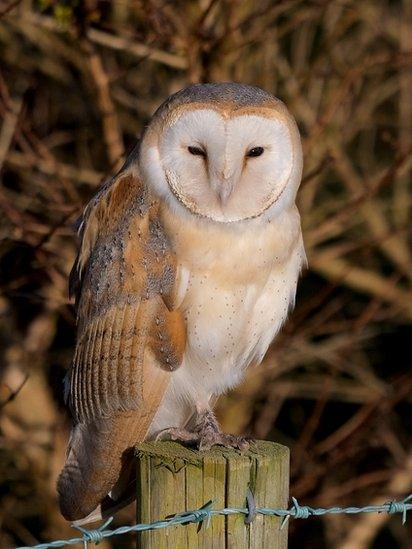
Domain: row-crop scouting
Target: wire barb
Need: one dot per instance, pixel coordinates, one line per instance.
(93, 536)
(301, 512)
(251, 507)
(196, 516)
(400, 507)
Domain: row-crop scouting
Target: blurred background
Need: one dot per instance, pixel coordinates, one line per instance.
(78, 82)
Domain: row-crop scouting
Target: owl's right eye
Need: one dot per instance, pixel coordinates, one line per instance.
(197, 151)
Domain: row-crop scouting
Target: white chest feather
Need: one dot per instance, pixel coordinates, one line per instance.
(238, 287)
(231, 327)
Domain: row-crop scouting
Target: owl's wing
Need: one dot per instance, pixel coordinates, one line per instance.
(129, 338)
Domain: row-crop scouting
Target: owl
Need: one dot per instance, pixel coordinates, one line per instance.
(187, 268)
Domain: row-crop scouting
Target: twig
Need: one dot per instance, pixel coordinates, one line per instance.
(8, 128)
(111, 128)
(8, 8)
(15, 392)
(118, 43)
(82, 175)
(364, 280)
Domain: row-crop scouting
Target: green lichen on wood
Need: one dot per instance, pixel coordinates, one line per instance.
(168, 449)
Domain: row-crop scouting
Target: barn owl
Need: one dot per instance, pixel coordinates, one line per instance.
(187, 268)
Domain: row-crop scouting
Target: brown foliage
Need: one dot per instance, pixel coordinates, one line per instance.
(78, 80)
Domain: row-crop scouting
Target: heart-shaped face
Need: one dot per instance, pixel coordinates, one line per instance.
(223, 163)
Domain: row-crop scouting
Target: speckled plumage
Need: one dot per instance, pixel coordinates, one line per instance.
(180, 285)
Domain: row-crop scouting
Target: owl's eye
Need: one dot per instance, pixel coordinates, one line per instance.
(197, 151)
(256, 151)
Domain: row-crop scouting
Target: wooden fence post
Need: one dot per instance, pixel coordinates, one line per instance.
(172, 478)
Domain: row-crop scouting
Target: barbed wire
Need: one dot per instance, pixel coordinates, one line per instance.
(206, 513)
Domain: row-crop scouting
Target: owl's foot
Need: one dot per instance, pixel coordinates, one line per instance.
(210, 434)
(206, 434)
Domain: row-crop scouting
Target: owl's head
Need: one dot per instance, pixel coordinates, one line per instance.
(227, 152)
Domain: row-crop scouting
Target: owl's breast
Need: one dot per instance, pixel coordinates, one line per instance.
(238, 288)
(231, 326)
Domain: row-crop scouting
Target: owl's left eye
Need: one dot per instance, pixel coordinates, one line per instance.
(197, 151)
(256, 151)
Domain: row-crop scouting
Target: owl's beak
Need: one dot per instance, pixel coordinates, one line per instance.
(225, 190)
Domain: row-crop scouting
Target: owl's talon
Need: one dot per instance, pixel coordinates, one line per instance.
(224, 439)
(176, 434)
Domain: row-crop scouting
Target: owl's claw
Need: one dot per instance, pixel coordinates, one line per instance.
(224, 439)
(180, 435)
(205, 435)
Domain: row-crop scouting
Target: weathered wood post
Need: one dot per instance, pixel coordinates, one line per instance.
(172, 478)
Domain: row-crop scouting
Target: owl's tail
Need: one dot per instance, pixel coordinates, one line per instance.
(99, 454)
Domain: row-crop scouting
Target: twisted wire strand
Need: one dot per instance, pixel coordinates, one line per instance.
(206, 512)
